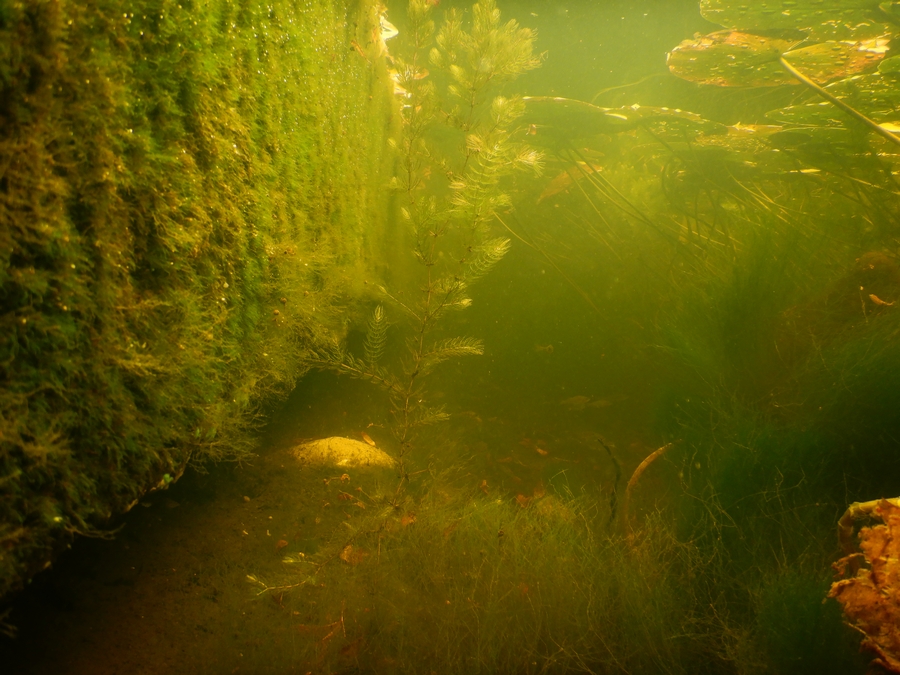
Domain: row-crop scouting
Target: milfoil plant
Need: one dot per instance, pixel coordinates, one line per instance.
(460, 139)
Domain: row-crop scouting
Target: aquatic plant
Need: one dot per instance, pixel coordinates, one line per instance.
(456, 582)
(754, 257)
(449, 192)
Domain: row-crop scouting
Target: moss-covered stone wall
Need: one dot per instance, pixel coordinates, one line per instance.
(186, 189)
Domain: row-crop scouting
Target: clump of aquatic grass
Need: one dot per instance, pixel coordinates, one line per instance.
(800, 632)
(761, 496)
(454, 583)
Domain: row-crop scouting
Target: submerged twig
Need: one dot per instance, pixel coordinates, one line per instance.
(638, 472)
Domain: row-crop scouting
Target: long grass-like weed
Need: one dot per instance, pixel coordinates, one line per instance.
(458, 583)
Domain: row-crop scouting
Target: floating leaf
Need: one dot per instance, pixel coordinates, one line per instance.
(751, 131)
(732, 59)
(873, 94)
(890, 66)
(555, 117)
(819, 115)
(820, 19)
(821, 139)
(829, 60)
(669, 123)
(675, 124)
(820, 144)
(568, 118)
(737, 59)
(747, 148)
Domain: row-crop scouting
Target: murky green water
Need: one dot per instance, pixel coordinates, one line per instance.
(631, 382)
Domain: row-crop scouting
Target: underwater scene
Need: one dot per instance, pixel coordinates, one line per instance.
(450, 337)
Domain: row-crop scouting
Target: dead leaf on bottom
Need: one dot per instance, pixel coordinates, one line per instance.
(450, 529)
(353, 555)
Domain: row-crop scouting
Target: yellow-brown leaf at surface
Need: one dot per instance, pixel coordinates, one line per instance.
(870, 599)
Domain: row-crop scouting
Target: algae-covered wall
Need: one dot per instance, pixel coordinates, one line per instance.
(182, 193)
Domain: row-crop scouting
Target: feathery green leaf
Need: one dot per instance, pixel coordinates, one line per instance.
(376, 336)
(449, 349)
(484, 257)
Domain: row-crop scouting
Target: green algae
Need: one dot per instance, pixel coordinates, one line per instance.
(184, 193)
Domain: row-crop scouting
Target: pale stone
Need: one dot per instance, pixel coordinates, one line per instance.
(342, 452)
